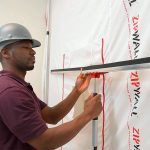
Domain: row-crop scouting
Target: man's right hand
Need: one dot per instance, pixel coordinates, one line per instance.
(93, 106)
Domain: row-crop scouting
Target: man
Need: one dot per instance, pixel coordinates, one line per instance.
(23, 116)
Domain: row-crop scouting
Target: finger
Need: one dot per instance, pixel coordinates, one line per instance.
(80, 75)
(85, 84)
(87, 79)
(85, 75)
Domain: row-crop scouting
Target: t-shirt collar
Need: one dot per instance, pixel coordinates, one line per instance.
(12, 75)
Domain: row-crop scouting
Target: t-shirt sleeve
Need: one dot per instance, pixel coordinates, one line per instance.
(21, 114)
(42, 104)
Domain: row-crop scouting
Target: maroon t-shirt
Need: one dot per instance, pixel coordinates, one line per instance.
(20, 113)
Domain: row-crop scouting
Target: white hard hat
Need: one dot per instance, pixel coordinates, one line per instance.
(13, 32)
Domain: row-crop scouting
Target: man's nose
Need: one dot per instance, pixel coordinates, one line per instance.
(33, 52)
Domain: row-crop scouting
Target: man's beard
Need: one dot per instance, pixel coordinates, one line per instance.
(25, 68)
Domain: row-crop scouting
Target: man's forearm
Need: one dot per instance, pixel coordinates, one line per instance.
(63, 108)
(54, 114)
(58, 136)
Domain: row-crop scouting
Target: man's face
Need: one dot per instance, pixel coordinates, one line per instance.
(22, 56)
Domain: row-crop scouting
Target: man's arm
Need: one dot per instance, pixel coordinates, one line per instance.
(54, 114)
(53, 138)
(58, 136)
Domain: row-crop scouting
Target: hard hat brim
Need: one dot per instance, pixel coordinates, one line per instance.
(35, 43)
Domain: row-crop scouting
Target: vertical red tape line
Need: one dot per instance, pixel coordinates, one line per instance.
(63, 76)
(102, 51)
(103, 100)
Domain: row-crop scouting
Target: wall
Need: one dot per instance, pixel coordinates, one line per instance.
(32, 15)
(104, 31)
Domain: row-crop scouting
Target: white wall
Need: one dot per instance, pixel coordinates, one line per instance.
(32, 15)
(77, 29)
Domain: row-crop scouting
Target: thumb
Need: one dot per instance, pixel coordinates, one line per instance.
(91, 96)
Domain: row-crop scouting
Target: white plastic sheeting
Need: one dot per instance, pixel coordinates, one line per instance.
(86, 32)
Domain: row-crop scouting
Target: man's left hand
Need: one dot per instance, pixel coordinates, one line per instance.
(82, 82)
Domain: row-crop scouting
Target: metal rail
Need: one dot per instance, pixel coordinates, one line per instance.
(136, 64)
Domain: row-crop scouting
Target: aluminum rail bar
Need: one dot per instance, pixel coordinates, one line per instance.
(136, 64)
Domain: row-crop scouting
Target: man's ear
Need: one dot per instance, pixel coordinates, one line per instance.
(5, 53)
